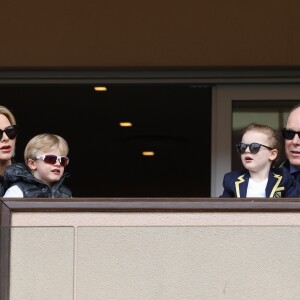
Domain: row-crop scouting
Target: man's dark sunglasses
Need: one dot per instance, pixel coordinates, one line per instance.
(10, 131)
(253, 147)
(289, 134)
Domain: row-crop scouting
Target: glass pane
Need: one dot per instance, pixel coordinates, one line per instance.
(174, 121)
(270, 112)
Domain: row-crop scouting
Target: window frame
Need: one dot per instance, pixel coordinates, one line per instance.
(222, 97)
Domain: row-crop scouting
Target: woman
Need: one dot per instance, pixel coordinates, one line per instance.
(8, 133)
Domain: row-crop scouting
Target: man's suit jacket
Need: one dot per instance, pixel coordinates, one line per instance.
(286, 164)
(280, 184)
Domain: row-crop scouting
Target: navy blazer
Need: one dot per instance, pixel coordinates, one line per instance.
(280, 184)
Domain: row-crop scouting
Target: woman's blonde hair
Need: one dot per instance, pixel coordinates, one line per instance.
(45, 142)
(8, 114)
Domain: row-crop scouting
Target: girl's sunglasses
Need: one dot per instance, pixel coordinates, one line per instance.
(253, 147)
(52, 159)
(10, 131)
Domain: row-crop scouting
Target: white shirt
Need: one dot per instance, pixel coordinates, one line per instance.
(13, 192)
(256, 189)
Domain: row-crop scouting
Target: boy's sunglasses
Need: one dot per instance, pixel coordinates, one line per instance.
(289, 134)
(52, 159)
(10, 131)
(253, 147)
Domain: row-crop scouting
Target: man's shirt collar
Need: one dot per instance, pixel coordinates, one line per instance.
(293, 169)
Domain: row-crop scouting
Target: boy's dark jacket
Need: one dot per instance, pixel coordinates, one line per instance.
(280, 184)
(18, 174)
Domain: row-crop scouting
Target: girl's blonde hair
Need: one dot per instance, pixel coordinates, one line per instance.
(45, 142)
(273, 136)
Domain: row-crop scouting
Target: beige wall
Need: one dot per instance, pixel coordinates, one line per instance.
(134, 33)
(155, 256)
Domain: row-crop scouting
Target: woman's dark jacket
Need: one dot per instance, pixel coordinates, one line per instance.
(3, 185)
(18, 174)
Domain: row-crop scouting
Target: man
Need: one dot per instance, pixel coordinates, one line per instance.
(291, 134)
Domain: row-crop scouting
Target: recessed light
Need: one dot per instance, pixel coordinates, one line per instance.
(125, 124)
(100, 88)
(148, 153)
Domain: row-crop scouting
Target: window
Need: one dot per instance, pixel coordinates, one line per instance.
(235, 106)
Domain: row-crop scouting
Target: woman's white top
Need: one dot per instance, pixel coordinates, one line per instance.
(14, 192)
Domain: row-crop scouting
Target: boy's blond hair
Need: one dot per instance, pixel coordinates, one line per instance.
(45, 142)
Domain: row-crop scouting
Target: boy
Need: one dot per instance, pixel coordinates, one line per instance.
(42, 175)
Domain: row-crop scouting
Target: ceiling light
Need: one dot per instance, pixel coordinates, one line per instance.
(100, 88)
(125, 124)
(148, 153)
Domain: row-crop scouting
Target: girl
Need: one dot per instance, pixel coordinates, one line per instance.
(259, 150)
